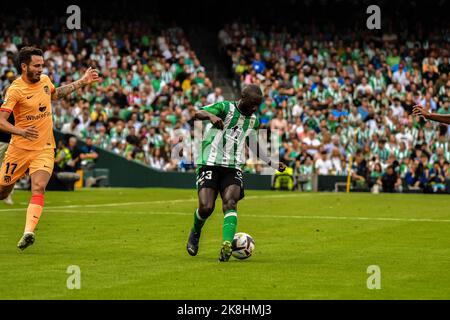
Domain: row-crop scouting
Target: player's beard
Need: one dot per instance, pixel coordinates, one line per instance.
(247, 108)
(246, 111)
(33, 77)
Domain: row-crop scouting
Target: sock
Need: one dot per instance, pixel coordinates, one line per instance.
(229, 225)
(34, 212)
(198, 222)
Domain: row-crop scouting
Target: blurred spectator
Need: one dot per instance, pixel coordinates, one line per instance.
(68, 155)
(360, 171)
(414, 179)
(88, 154)
(73, 128)
(437, 178)
(215, 96)
(323, 165)
(390, 181)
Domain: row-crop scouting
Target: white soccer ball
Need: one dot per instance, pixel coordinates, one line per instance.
(242, 246)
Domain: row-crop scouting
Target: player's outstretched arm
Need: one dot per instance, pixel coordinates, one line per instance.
(29, 133)
(418, 110)
(280, 166)
(90, 76)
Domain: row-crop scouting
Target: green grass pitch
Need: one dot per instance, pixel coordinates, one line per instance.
(130, 244)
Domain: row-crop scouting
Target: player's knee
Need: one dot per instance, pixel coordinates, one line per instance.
(229, 204)
(38, 188)
(205, 210)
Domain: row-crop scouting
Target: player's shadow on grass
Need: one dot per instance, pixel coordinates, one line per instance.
(209, 258)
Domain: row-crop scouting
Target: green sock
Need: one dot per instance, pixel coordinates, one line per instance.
(198, 222)
(229, 225)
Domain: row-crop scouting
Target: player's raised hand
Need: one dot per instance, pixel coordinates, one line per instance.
(217, 122)
(30, 133)
(420, 111)
(90, 76)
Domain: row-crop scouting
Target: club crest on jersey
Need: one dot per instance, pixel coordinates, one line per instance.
(7, 179)
(46, 89)
(42, 108)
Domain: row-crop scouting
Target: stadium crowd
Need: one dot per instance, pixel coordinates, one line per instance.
(328, 95)
(331, 95)
(152, 83)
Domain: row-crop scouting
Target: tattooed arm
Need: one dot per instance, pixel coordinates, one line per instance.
(89, 77)
(63, 91)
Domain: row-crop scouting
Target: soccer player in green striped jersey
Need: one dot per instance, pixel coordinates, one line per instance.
(220, 162)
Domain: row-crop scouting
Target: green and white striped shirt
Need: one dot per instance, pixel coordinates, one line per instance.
(377, 84)
(443, 145)
(401, 154)
(225, 148)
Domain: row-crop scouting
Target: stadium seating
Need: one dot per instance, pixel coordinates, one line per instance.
(339, 93)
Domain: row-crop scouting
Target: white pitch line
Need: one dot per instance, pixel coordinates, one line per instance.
(276, 216)
(119, 204)
(355, 218)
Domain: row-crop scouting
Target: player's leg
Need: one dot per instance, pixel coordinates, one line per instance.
(13, 167)
(41, 167)
(207, 184)
(39, 181)
(231, 192)
(206, 204)
(5, 191)
(230, 197)
(8, 198)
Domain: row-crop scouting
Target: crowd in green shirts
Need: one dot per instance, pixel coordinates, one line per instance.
(332, 95)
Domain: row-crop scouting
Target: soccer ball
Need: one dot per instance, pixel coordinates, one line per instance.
(242, 246)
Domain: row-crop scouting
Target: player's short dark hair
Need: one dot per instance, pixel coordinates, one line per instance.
(26, 52)
(253, 93)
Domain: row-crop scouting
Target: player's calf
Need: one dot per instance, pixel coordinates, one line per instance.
(194, 235)
(34, 212)
(3, 195)
(205, 210)
(5, 191)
